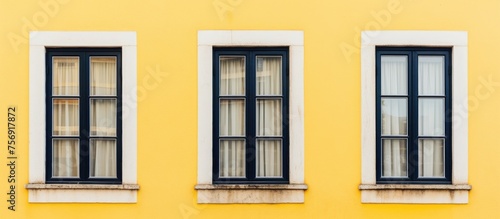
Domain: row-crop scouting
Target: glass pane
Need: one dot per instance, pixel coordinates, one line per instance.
(394, 75)
(65, 76)
(65, 153)
(232, 118)
(431, 116)
(65, 117)
(269, 117)
(269, 75)
(103, 117)
(394, 158)
(232, 158)
(394, 116)
(431, 75)
(269, 155)
(431, 157)
(102, 76)
(103, 158)
(232, 75)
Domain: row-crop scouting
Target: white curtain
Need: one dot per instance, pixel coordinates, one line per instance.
(232, 117)
(65, 153)
(102, 158)
(103, 117)
(232, 76)
(232, 158)
(65, 76)
(269, 158)
(232, 152)
(394, 75)
(65, 123)
(103, 76)
(431, 158)
(394, 162)
(65, 116)
(431, 75)
(394, 151)
(394, 81)
(269, 116)
(269, 76)
(431, 118)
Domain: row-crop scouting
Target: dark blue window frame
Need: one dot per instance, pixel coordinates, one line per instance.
(84, 97)
(250, 54)
(412, 138)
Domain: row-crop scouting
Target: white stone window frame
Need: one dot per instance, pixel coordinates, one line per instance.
(260, 193)
(39, 192)
(458, 191)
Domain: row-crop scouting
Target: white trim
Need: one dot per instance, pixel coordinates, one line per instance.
(39, 40)
(457, 40)
(206, 40)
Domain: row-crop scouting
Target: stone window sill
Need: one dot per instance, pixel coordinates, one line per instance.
(415, 194)
(250, 193)
(82, 193)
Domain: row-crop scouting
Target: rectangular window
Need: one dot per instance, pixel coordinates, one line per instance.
(250, 105)
(413, 115)
(83, 105)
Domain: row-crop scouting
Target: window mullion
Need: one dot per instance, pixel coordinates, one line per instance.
(413, 118)
(84, 116)
(251, 137)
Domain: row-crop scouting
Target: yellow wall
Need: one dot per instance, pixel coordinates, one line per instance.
(167, 115)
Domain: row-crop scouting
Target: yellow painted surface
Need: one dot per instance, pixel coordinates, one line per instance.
(167, 115)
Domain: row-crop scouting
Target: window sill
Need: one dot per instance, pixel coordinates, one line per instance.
(82, 193)
(250, 193)
(415, 194)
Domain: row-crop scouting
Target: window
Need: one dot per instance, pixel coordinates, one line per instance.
(56, 178)
(84, 116)
(250, 113)
(414, 134)
(275, 187)
(413, 115)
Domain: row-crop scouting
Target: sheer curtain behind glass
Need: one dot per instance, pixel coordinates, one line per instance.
(431, 116)
(394, 110)
(103, 117)
(65, 116)
(269, 113)
(232, 116)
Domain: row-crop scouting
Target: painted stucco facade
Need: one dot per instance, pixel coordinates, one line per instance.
(167, 47)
